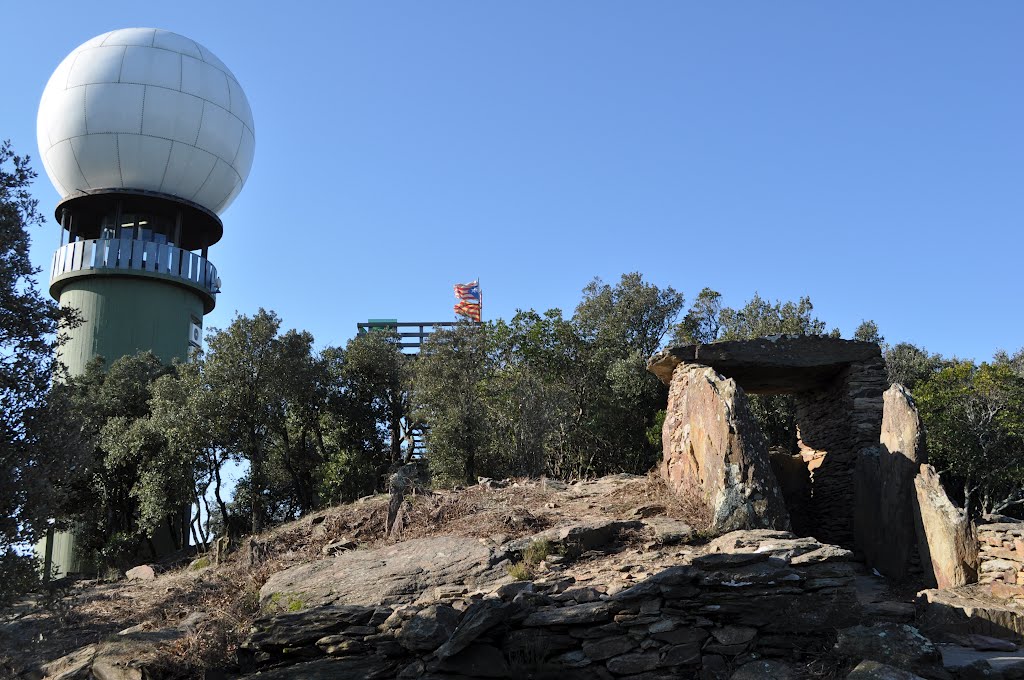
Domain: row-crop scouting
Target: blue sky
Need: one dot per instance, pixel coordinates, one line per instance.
(866, 154)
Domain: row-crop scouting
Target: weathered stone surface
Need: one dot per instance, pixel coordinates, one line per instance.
(900, 645)
(479, 618)
(274, 633)
(682, 654)
(773, 365)
(885, 492)
(714, 447)
(429, 628)
(733, 635)
(766, 669)
(73, 666)
(478, 661)
(143, 572)
(971, 664)
(628, 664)
(970, 609)
(390, 575)
(591, 612)
(669, 531)
(873, 670)
(589, 534)
(606, 648)
(362, 667)
(946, 536)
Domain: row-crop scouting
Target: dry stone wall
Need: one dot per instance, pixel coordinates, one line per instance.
(840, 420)
(755, 595)
(1001, 557)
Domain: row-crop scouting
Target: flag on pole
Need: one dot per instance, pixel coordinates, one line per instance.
(470, 300)
(468, 291)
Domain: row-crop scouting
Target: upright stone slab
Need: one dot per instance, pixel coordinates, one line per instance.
(714, 447)
(885, 489)
(946, 536)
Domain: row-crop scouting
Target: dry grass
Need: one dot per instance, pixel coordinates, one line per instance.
(654, 494)
(478, 512)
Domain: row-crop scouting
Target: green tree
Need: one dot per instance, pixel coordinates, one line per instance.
(760, 318)
(250, 371)
(41, 454)
(182, 408)
(449, 395)
(703, 322)
(570, 397)
(974, 418)
(531, 394)
(708, 321)
(358, 451)
(867, 331)
(138, 485)
(910, 365)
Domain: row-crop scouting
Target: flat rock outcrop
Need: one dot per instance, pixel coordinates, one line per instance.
(946, 536)
(714, 447)
(758, 601)
(391, 575)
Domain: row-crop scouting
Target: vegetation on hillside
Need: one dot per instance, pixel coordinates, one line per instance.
(121, 450)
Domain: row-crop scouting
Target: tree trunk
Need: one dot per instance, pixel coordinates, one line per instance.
(256, 475)
(220, 501)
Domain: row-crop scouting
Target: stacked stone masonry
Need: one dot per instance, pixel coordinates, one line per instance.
(1001, 558)
(755, 595)
(840, 420)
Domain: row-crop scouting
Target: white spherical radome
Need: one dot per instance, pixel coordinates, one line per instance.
(150, 110)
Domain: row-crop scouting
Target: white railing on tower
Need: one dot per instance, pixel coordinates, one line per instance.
(133, 254)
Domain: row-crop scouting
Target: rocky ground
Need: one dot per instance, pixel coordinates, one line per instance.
(613, 578)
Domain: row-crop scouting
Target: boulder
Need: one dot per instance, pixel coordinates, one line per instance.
(899, 645)
(397, 574)
(143, 572)
(714, 448)
(970, 609)
(946, 536)
(669, 531)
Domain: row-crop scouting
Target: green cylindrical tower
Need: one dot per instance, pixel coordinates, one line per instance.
(148, 137)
